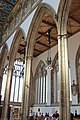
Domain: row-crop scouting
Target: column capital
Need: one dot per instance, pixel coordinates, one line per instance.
(10, 68)
(28, 57)
(64, 35)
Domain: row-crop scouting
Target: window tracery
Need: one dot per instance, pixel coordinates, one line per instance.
(55, 81)
(17, 82)
(41, 83)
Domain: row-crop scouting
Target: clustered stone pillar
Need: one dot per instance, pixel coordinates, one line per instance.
(64, 103)
(26, 88)
(7, 95)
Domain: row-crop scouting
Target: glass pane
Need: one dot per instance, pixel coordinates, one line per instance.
(12, 88)
(41, 91)
(20, 90)
(16, 89)
(70, 84)
(55, 83)
(44, 90)
(3, 86)
(46, 87)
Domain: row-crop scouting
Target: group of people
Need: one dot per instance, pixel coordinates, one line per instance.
(54, 116)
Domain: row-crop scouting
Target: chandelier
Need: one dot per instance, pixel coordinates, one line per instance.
(49, 61)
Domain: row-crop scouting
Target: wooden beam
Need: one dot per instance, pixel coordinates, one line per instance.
(3, 11)
(49, 23)
(9, 3)
(69, 33)
(74, 19)
(21, 51)
(37, 50)
(76, 32)
(1, 21)
(22, 45)
(43, 34)
(42, 44)
(75, 10)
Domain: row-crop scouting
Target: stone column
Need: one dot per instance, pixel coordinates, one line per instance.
(7, 95)
(0, 88)
(0, 84)
(26, 88)
(49, 87)
(64, 103)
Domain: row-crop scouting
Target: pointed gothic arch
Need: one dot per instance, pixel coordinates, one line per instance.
(40, 83)
(39, 65)
(36, 21)
(3, 57)
(12, 55)
(15, 45)
(55, 80)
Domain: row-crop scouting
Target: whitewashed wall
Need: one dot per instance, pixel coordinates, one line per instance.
(43, 57)
(52, 109)
(44, 110)
(73, 44)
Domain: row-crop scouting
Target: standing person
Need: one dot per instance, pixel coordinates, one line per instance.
(72, 116)
(56, 115)
(36, 116)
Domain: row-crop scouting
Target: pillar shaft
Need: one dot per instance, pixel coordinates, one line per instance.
(49, 88)
(0, 84)
(26, 88)
(64, 79)
(7, 95)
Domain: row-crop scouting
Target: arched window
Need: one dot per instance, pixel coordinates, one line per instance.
(55, 81)
(41, 83)
(17, 82)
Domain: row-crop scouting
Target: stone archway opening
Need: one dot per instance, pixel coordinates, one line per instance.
(16, 48)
